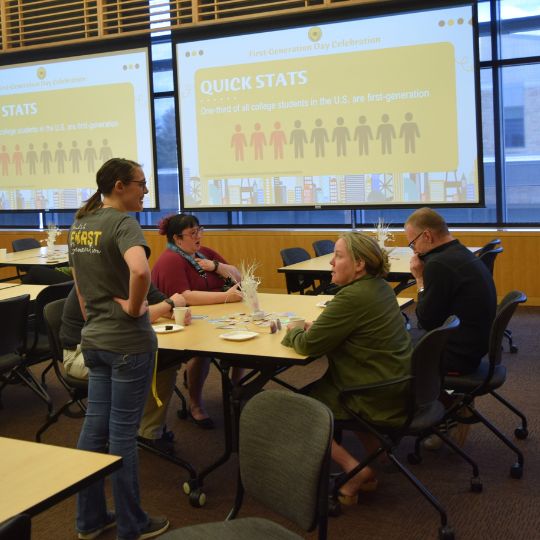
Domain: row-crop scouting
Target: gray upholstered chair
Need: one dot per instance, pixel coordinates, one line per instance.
(76, 388)
(284, 458)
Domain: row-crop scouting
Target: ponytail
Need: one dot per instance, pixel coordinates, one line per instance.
(90, 206)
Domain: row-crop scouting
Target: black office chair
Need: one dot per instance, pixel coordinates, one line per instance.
(23, 244)
(297, 282)
(492, 244)
(76, 388)
(488, 256)
(323, 247)
(13, 365)
(284, 460)
(488, 378)
(16, 528)
(424, 414)
(39, 349)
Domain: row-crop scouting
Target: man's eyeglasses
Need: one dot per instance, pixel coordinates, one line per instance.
(141, 183)
(195, 232)
(413, 242)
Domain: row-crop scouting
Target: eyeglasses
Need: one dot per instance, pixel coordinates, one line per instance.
(413, 242)
(141, 183)
(195, 232)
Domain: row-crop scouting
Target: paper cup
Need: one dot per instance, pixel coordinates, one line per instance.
(180, 315)
(297, 322)
(3, 252)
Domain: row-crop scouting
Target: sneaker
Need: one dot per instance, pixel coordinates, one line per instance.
(110, 522)
(434, 442)
(156, 525)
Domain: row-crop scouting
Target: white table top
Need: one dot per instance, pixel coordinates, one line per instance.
(202, 336)
(35, 476)
(399, 262)
(16, 290)
(37, 256)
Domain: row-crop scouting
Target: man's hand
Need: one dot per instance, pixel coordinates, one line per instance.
(417, 269)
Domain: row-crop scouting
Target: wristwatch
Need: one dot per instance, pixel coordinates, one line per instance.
(421, 289)
(170, 302)
(216, 264)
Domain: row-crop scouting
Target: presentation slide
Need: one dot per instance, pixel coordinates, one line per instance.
(373, 111)
(61, 119)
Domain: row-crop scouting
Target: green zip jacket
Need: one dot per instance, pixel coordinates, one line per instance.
(362, 333)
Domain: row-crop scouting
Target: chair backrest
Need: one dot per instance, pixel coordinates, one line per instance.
(14, 317)
(505, 311)
(323, 247)
(284, 455)
(16, 528)
(427, 362)
(488, 258)
(47, 295)
(296, 282)
(492, 244)
(52, 315)
(22, 244)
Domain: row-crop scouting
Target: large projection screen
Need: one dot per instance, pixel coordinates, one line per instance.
(62, 117)
(376, 110)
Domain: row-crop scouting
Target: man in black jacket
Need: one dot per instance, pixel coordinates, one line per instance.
(451, 281)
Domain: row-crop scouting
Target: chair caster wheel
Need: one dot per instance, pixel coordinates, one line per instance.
(516, 471)
(334, 507)
(446, 533)
(513, 349)
(476, 485)
(414, 459)
(521, 433)
(189, 486)
(197, 498)
(181, 413)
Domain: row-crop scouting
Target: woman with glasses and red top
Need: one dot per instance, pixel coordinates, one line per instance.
(203, 277)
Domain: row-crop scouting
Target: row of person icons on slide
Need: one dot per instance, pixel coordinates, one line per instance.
(319, 137)
(18, 159)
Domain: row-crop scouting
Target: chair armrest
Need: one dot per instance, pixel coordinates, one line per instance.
(359, 389)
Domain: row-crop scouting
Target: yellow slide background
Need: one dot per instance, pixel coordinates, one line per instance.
(64, 117)
(429, 69)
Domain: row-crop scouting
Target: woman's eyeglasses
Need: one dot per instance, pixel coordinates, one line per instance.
(142, 183)
(195, 232)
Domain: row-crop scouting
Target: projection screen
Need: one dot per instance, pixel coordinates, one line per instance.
(375, 110)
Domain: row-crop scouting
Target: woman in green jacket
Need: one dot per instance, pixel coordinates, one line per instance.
(361, 331)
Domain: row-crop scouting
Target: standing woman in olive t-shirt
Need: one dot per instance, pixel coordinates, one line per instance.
(108, 253)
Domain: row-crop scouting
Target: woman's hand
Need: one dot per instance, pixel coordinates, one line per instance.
(124, 304)
(307, 326)
(179, 300)
(234, 294)
(206, 264)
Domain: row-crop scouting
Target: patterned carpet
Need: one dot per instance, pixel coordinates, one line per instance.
(507, 509)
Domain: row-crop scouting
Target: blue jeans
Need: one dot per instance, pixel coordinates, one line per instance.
(118, 386)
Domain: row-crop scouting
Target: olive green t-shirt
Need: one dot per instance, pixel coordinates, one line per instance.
(97, 243)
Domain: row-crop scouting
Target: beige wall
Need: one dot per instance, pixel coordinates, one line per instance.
(517, 268)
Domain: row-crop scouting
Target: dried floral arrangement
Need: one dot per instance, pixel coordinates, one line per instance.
(249, 286)
(383, 234)
(53, 232)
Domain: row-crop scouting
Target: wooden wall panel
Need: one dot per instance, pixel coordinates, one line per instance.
(517, 268)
